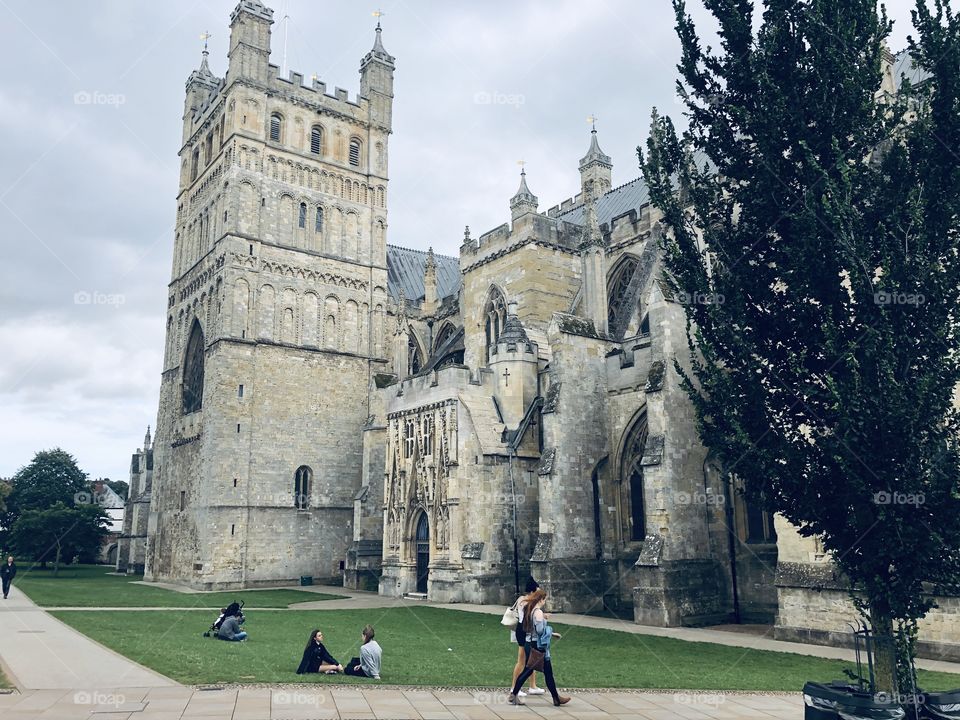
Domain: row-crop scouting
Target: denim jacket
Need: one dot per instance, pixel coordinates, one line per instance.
(542, 635)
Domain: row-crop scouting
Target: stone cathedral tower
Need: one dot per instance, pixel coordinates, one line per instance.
(275, 320)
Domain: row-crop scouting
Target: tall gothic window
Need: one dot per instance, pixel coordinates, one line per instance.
(194, 164)
(409, 434)
(631, 479)
(494, 315)
(302, 217)
(276, 123)
(318, 223)
(193, 370)
(754, 524)
(316, 139)
(428, 435)
(301, 487)
(355, 152)
(414, 356)
(446, 332)
(619, 306)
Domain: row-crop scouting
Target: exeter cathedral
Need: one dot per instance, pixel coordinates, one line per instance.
(336, 406)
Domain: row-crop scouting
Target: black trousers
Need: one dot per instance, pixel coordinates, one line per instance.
(547, 675)
(348, 669)
(6, 586)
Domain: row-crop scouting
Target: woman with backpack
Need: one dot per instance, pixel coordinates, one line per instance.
(541, 635)
(519, 636)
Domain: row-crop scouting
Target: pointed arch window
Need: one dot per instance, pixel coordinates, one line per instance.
(494, 316)
(620, 296)
(318, 223)
(446, 332)
(276, 127)
(193, 370)
(302, 480)
(414, 355)
(316, 139)
(355, 152)
(631, 481)
(302, 216)
(194, 164)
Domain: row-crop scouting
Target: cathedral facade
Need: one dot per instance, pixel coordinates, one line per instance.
(443, 427)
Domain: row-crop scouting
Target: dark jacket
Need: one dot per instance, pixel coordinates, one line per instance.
(8, 571)
(229, 629)
(314, 656)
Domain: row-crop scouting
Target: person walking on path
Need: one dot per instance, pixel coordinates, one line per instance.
(368, 664)
(519, 636)
(541, 635)
(7, 573)
(316, 657)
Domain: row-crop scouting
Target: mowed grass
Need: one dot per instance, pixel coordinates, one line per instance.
(430, 646)
(94, 586)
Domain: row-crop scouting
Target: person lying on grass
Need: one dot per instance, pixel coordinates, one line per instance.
(316, 657)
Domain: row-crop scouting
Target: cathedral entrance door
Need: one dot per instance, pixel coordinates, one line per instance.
(423, 552)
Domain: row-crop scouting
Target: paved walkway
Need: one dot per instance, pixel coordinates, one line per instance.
(40, 652)
(300, 703)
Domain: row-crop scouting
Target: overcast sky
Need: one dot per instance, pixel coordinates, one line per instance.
(90, 112)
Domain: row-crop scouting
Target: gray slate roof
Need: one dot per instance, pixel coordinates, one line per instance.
(903, 66)
(405, 268)
(614, 203)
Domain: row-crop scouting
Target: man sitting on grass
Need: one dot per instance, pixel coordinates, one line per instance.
(230, 629)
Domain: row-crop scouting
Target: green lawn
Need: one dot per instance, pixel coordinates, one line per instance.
(93, 586)
(423, 645)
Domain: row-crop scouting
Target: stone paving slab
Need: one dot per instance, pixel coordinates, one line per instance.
(381, 703)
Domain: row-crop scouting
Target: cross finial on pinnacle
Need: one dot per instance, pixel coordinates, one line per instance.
(592, 119)
(522, 164)
(378, 14)
(205, 36)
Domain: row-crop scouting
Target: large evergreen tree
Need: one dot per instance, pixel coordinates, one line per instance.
(816, 230)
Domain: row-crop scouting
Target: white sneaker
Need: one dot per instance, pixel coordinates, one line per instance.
(521, 694)
(535, 691)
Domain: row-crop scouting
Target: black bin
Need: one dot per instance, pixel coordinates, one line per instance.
(940, 706)
(838, 701)
(306, 580)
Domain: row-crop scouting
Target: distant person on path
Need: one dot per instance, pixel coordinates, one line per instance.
(316, 657)
(519, 636)
(541, 634)
(368, 664)
(230, 629)
(7, 573)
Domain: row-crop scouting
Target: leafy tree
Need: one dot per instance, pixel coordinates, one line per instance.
(5, 489)
(53, 476)
(59, 531)
(822, 238)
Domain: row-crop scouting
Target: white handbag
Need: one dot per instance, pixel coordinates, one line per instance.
(511, 617)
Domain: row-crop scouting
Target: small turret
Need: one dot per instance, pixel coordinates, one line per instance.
(595, 169)
(430, 299)
(249, 52)
(376, 83)
(593, 266)
(514, 365)
(147, 442)
(523, 201)
(201, 84)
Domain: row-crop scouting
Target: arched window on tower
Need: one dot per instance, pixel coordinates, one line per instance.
(318, 224)
(414, 354)
(631, 481)
(276, 127)
(620, 296)
(355, 152)
(316, 140)
(494, 315)
(301, 487)
(302, 217)
(193, 370)
(195, 164)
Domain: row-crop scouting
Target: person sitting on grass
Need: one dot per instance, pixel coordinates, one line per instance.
(368, 664)
(316, 657)
(230, 629)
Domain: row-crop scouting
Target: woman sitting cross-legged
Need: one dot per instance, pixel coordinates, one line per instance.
(368, 664)
(316, 657)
